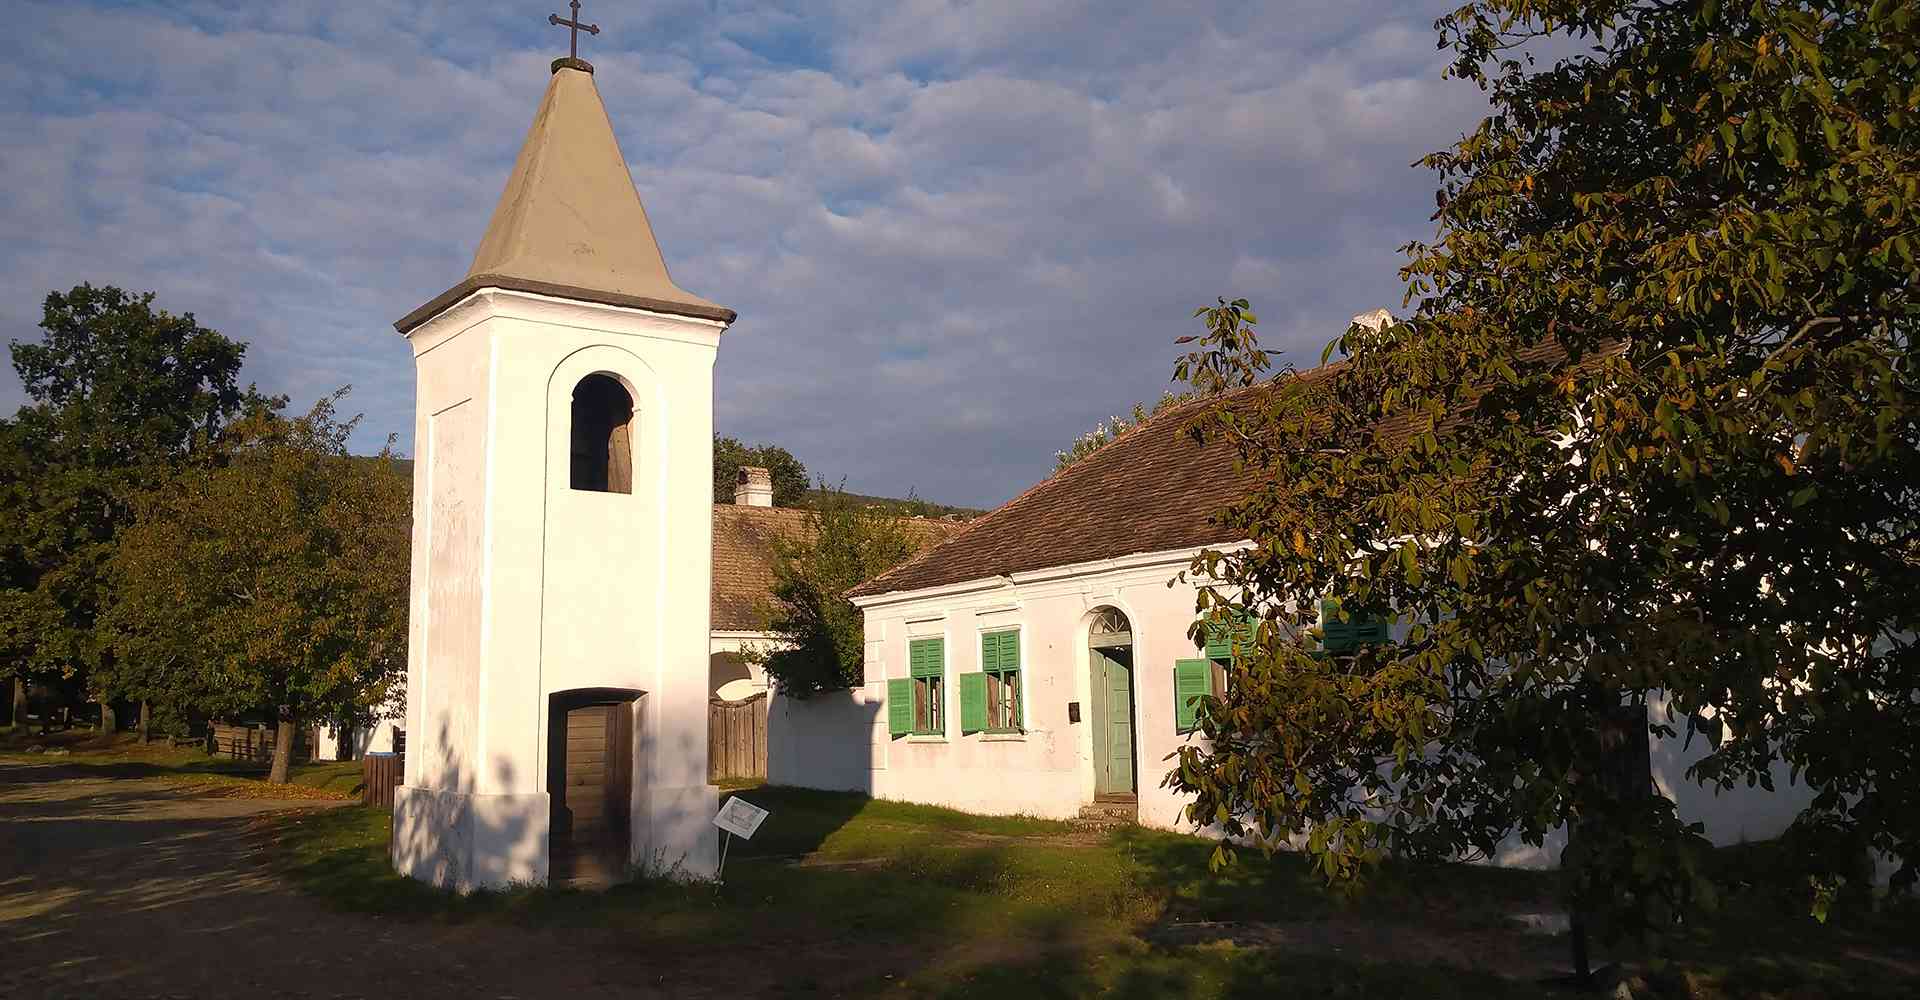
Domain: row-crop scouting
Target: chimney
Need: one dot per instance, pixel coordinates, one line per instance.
(753, 487)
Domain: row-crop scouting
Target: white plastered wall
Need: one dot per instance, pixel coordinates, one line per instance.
(360, 740)
(523, 587)
(841, 741)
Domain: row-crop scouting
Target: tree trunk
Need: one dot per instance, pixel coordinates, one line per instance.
(20, 701)
(109, 723)
(282, 749)
(146, 721)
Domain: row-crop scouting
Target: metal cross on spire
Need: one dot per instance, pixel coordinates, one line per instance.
(574, 28)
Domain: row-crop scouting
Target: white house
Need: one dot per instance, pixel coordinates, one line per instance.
(1037, 662)
(332, 741)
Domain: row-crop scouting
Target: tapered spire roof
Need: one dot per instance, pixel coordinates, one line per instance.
(570, 223)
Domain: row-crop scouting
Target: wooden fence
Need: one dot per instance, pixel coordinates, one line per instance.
(251, 742)
(380, 774)
(737, 739)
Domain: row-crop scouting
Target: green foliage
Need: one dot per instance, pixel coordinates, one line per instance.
(119, 394)
(272, 573)
(912, 505)
(844, 543)
(1651, 440)
(1111, 429)
(789, 476)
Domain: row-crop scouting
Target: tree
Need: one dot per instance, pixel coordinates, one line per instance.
(1111, 429)
(789, 476)
(119, 394)
(843, 543)
(271, 575)
(1645, 461)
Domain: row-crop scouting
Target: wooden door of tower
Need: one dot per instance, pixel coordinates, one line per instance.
(591, 787)
(1112, 721)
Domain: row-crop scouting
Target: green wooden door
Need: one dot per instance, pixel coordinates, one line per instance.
(1112, 722)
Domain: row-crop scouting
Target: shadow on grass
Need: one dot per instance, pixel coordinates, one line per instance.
(1284, 887)
(124, 757)
(1138, 973)
(860, 897)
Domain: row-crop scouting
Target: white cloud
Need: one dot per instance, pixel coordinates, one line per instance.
(958, 233)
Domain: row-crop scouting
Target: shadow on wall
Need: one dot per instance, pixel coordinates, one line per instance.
(673, 832)
(1735, 816)
(449, 837)
(824, 742)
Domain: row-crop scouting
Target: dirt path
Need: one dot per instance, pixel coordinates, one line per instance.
(140, 888)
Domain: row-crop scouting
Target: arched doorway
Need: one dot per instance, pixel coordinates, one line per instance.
(590, 764)
(1110, 660)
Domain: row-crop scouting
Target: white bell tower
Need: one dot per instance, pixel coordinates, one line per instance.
(562, 535)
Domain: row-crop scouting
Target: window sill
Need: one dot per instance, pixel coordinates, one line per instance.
(1003, 737)
(925, 738)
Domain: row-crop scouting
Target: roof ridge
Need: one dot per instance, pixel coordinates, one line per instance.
(1096, 464)
(1103, 454)
(725, 505)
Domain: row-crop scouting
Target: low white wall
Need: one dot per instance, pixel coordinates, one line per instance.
(360, 741)
(822, 742)
(1736, 816)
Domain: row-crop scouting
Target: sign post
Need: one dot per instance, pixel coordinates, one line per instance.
(738, 818)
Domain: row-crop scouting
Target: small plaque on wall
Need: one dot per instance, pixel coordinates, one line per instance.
(1073, 711)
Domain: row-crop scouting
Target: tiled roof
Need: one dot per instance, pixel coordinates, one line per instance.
(743, 561)
(1150, 490)
(1153, 489)
(743, 540)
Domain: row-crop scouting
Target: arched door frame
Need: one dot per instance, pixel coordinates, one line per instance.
(1109, 654)
(621, 769)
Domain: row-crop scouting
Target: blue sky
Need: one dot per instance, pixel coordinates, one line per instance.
(958, 233)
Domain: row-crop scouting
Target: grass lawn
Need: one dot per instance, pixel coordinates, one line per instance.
(123, 756)
(857, 897)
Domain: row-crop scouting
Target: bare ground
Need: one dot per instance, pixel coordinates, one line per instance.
(144, 888)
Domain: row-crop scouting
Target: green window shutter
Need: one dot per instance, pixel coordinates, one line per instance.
(1337, 636)
(1348, 636)
(973, 702)
(1371, 632)
(899, 706)
(1000, 651)
(1222, 635)
(927, 657)
(1191, 680)
(1219, 642)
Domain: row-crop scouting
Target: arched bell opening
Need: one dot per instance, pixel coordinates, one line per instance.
(601, 436)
